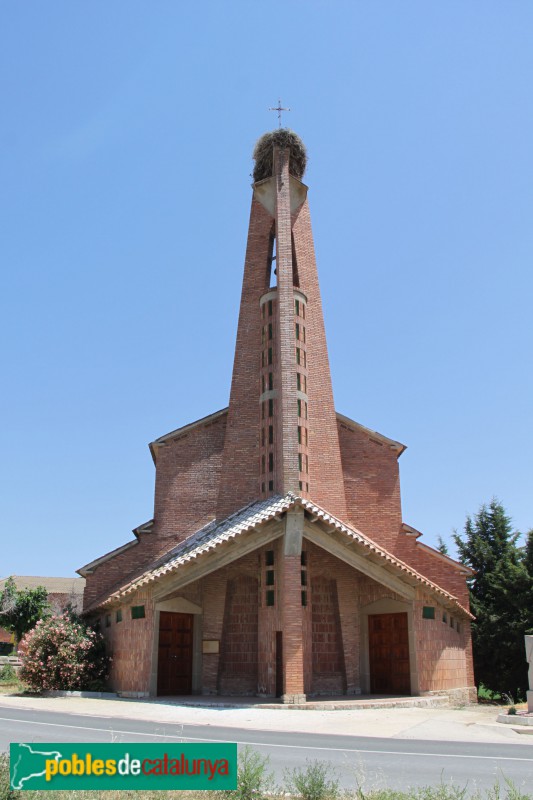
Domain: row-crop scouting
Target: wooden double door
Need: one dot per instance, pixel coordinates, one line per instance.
(388, 642)
(174, 666)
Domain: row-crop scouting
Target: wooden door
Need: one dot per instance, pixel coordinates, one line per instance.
(388, 642)
(174, 670)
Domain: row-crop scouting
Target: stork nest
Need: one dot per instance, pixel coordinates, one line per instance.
(264, 154)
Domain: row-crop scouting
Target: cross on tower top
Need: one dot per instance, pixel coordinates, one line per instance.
(279, 109)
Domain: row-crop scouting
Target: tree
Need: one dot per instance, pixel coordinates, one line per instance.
(62, 653)
(442, 547)
(20, 610)
(500, 597)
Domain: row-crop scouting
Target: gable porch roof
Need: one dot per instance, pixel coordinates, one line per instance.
(217, 535)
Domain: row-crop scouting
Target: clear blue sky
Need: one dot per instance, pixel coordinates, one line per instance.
(126, 133)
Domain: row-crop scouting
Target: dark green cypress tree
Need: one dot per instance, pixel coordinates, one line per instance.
(500, 597)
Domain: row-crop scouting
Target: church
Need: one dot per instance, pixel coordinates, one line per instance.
(277, 563)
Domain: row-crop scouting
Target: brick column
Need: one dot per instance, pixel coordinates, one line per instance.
(291, 599)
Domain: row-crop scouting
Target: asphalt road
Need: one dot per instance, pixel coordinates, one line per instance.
(369, 762)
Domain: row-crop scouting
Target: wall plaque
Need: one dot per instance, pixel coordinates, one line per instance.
(210, 646)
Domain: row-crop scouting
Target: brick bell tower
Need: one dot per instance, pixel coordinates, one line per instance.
(281, 431)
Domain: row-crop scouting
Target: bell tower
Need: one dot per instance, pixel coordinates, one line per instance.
(281, 431)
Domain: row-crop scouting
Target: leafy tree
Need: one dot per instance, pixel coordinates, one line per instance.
(20, 610)
(500, 594)
(60, 653)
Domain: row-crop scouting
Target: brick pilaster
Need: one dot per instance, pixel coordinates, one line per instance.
(287, 420)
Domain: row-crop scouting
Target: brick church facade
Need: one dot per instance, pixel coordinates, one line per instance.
(277, 562)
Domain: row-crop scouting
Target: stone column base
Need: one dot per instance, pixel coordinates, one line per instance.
(293, 698)
(530, 702)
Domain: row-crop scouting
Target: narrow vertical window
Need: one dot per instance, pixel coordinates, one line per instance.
(262, 384)
(297, 307)
(270, 308)
(270, 380)
(271, 407)
(298, 381)
(270, 434)
(299, 408)
(270, 330)
(297, 332)
(300, 462)
(270, 355)
(297, 355)
(271, 462)
(299, 435)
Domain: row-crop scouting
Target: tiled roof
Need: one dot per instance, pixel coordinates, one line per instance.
(215, 533)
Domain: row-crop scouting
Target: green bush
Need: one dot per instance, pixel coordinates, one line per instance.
(7, 674)
(315, 782)
(61, 654)
(254, 779)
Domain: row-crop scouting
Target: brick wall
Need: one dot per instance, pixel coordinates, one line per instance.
(372, 486)
(327, 646)
(187, 479)
(442, 651)
(238, 662)
(431, 566)
(130, 643)
(239, 484)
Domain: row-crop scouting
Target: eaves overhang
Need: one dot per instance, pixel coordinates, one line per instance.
(392, 444)
(88, 569)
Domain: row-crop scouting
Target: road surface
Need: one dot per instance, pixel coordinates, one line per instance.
(357, 760)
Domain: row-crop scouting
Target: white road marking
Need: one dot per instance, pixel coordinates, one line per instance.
(269, 744)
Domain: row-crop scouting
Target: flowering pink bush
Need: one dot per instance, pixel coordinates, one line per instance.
(60, 653)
